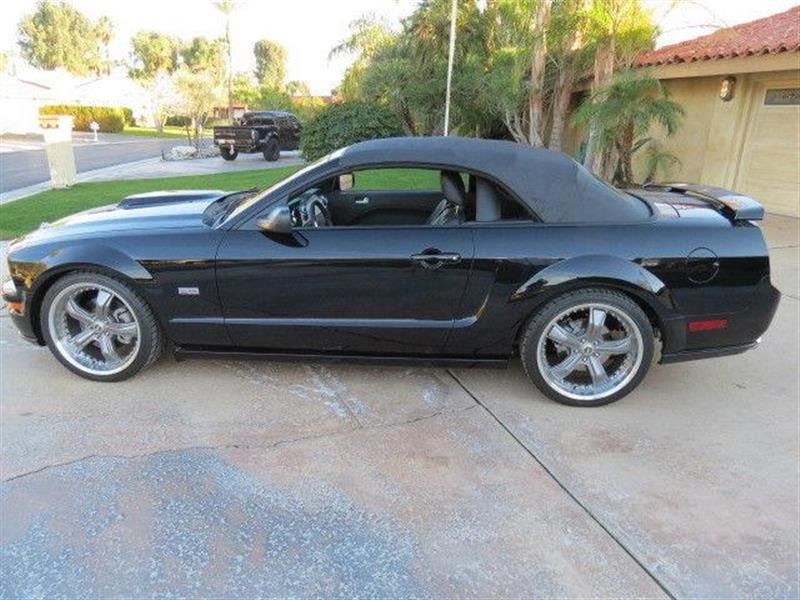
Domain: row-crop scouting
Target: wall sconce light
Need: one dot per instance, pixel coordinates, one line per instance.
(726, 89)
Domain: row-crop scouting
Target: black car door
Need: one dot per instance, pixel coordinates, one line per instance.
(374, 207)
(365, 290)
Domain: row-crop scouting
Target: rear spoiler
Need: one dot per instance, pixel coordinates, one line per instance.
(733, 205)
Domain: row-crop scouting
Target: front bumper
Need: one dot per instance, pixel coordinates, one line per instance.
(18, 305)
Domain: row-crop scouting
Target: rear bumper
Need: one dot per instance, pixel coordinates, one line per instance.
(238, 145)
(701, 353)
(742, 332)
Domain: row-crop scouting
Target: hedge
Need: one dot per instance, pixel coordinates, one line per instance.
(178, 121)
(339, 125)
(110, 119)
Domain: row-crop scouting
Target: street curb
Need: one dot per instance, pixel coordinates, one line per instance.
(20, 193)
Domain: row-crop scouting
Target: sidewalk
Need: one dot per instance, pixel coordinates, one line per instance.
(152, 168)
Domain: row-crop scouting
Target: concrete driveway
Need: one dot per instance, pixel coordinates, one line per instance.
(232, 479)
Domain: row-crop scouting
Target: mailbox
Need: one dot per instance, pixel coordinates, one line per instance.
(57, 131)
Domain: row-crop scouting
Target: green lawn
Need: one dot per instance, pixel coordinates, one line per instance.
(26, 214)
(169, 132)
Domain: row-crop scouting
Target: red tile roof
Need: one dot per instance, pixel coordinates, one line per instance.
(770, 35)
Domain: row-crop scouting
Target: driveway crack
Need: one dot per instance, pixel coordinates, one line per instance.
(230, 446)
(569, 492)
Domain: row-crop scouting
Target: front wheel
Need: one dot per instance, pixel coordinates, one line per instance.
(99, 327)
(272, 151)
(228, 153)
(588, 347)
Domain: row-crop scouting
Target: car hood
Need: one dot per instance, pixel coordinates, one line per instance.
(153, 210)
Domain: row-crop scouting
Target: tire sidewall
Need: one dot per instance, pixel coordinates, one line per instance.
(272, 151)
(227, 154)
(149, 336)
(535, 328)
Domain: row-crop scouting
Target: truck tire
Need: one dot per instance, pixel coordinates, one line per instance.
(228, 153)
(272, 151)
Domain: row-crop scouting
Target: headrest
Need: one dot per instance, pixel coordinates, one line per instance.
(453, 187)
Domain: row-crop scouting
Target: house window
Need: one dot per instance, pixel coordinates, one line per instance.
(783, 97)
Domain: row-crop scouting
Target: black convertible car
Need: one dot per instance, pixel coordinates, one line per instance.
(513, 251)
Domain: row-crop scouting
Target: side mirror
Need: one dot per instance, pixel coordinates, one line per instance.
(278, 219)
(346, 181)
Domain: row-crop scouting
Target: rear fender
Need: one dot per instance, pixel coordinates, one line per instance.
(605, 271)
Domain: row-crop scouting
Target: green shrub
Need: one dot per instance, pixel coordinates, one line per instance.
(306, 108)
(128, 114)
(110, 119)
(343, 124)
(178, 121)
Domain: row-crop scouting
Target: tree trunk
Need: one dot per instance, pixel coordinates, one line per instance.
(625, 147)
(541, 21)
(604, 60)
(563, 94)
(230, 67)
(513, 123)
(565, 84)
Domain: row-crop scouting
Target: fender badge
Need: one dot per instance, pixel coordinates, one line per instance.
(188, 291)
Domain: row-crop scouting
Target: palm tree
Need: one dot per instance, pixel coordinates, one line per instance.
(625, 110)
(226, 7)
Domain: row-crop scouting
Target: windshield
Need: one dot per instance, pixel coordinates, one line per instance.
(249, 201)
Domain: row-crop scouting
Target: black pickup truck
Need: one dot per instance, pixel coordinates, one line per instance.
(267, 132)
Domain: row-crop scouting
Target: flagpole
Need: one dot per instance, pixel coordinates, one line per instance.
(453, 15)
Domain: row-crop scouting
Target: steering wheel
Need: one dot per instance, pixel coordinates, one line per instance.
(317, 209)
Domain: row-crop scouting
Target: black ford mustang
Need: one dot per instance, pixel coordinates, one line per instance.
(518, 251)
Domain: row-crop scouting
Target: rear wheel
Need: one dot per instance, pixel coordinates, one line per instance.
(588, 347)
(272, 151)
(229, 153)
(99, 327)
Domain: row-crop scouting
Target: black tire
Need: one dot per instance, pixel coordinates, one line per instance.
(272, 151)
(228, 153)
(150, 339)
(542, 320)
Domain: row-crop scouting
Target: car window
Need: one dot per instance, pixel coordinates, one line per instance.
(396, 179)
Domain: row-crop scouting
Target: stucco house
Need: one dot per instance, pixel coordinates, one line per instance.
(25, 90)
(740, 88)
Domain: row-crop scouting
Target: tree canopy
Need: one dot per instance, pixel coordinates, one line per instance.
(270, 63)
(153, 53)
(56, 35)
(517, 65)
(204, 55)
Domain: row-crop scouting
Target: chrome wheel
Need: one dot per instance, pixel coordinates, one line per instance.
(589, 351)
(94, 328)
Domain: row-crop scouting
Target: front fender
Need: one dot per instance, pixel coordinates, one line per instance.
(32, 268)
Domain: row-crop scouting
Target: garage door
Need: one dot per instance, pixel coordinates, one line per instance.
(770, 167)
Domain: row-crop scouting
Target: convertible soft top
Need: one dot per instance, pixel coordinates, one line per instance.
(554, 186)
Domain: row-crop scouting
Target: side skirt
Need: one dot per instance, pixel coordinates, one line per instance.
(184, 352)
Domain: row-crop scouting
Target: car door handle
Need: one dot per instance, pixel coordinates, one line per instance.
(434, 260)
(364, 200)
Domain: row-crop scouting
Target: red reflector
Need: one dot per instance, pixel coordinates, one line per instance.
(708, 325)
